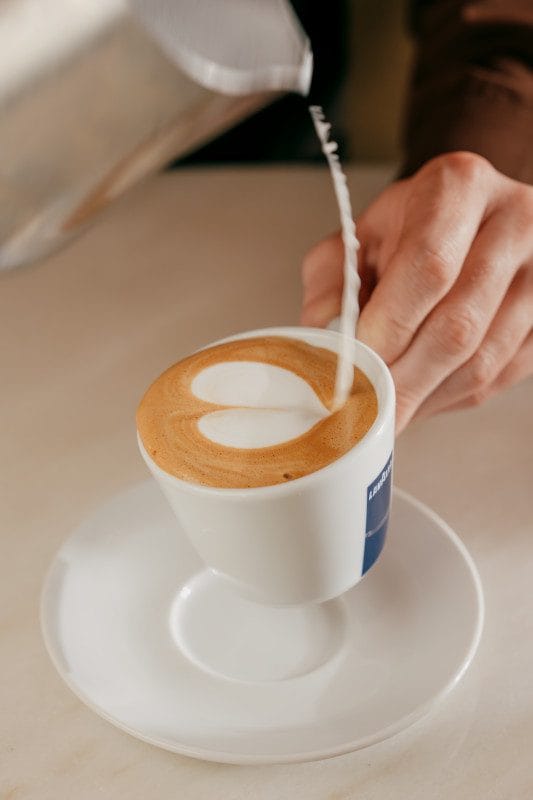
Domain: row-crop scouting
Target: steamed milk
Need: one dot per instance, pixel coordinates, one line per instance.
(261, 404)
(352, 282)
(252, 412)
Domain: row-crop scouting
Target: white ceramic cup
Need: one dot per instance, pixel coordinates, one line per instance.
(312, 538)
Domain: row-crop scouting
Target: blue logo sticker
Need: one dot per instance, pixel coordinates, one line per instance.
(377, 514)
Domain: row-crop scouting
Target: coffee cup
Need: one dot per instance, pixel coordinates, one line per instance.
(309, 539)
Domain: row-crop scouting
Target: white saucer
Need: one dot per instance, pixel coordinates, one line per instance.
(164, 650)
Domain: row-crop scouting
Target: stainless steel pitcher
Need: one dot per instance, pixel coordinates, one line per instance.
(96, 95)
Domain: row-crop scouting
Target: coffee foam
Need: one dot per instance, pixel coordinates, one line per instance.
(252, 412)
(267, 405)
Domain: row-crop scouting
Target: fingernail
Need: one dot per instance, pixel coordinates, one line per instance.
(321, 311)
(334, 324)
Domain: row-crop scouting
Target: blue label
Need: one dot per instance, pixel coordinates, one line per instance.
(377, 514)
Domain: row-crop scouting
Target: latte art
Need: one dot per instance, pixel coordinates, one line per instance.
(252, 412)
(267, 405)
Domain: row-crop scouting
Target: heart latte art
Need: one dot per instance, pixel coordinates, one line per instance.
(252, 412)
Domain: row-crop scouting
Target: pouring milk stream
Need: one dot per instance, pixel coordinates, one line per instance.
(352, 282)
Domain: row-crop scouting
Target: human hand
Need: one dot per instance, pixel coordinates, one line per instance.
(446, 265)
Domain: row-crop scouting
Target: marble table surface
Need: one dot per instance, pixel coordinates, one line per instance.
(186, 258)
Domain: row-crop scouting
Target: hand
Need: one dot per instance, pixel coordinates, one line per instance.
(446, 264)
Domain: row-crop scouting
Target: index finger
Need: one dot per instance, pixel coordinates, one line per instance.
(441, 219)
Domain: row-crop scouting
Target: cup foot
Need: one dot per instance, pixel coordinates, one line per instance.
(235, 638)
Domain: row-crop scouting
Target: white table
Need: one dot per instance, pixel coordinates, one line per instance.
(184, 259)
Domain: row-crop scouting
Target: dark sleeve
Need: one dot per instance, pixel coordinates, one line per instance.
(472, 83)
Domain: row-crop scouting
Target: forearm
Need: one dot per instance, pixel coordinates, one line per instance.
(472, 83)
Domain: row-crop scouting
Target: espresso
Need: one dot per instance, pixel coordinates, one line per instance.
(252, 412)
